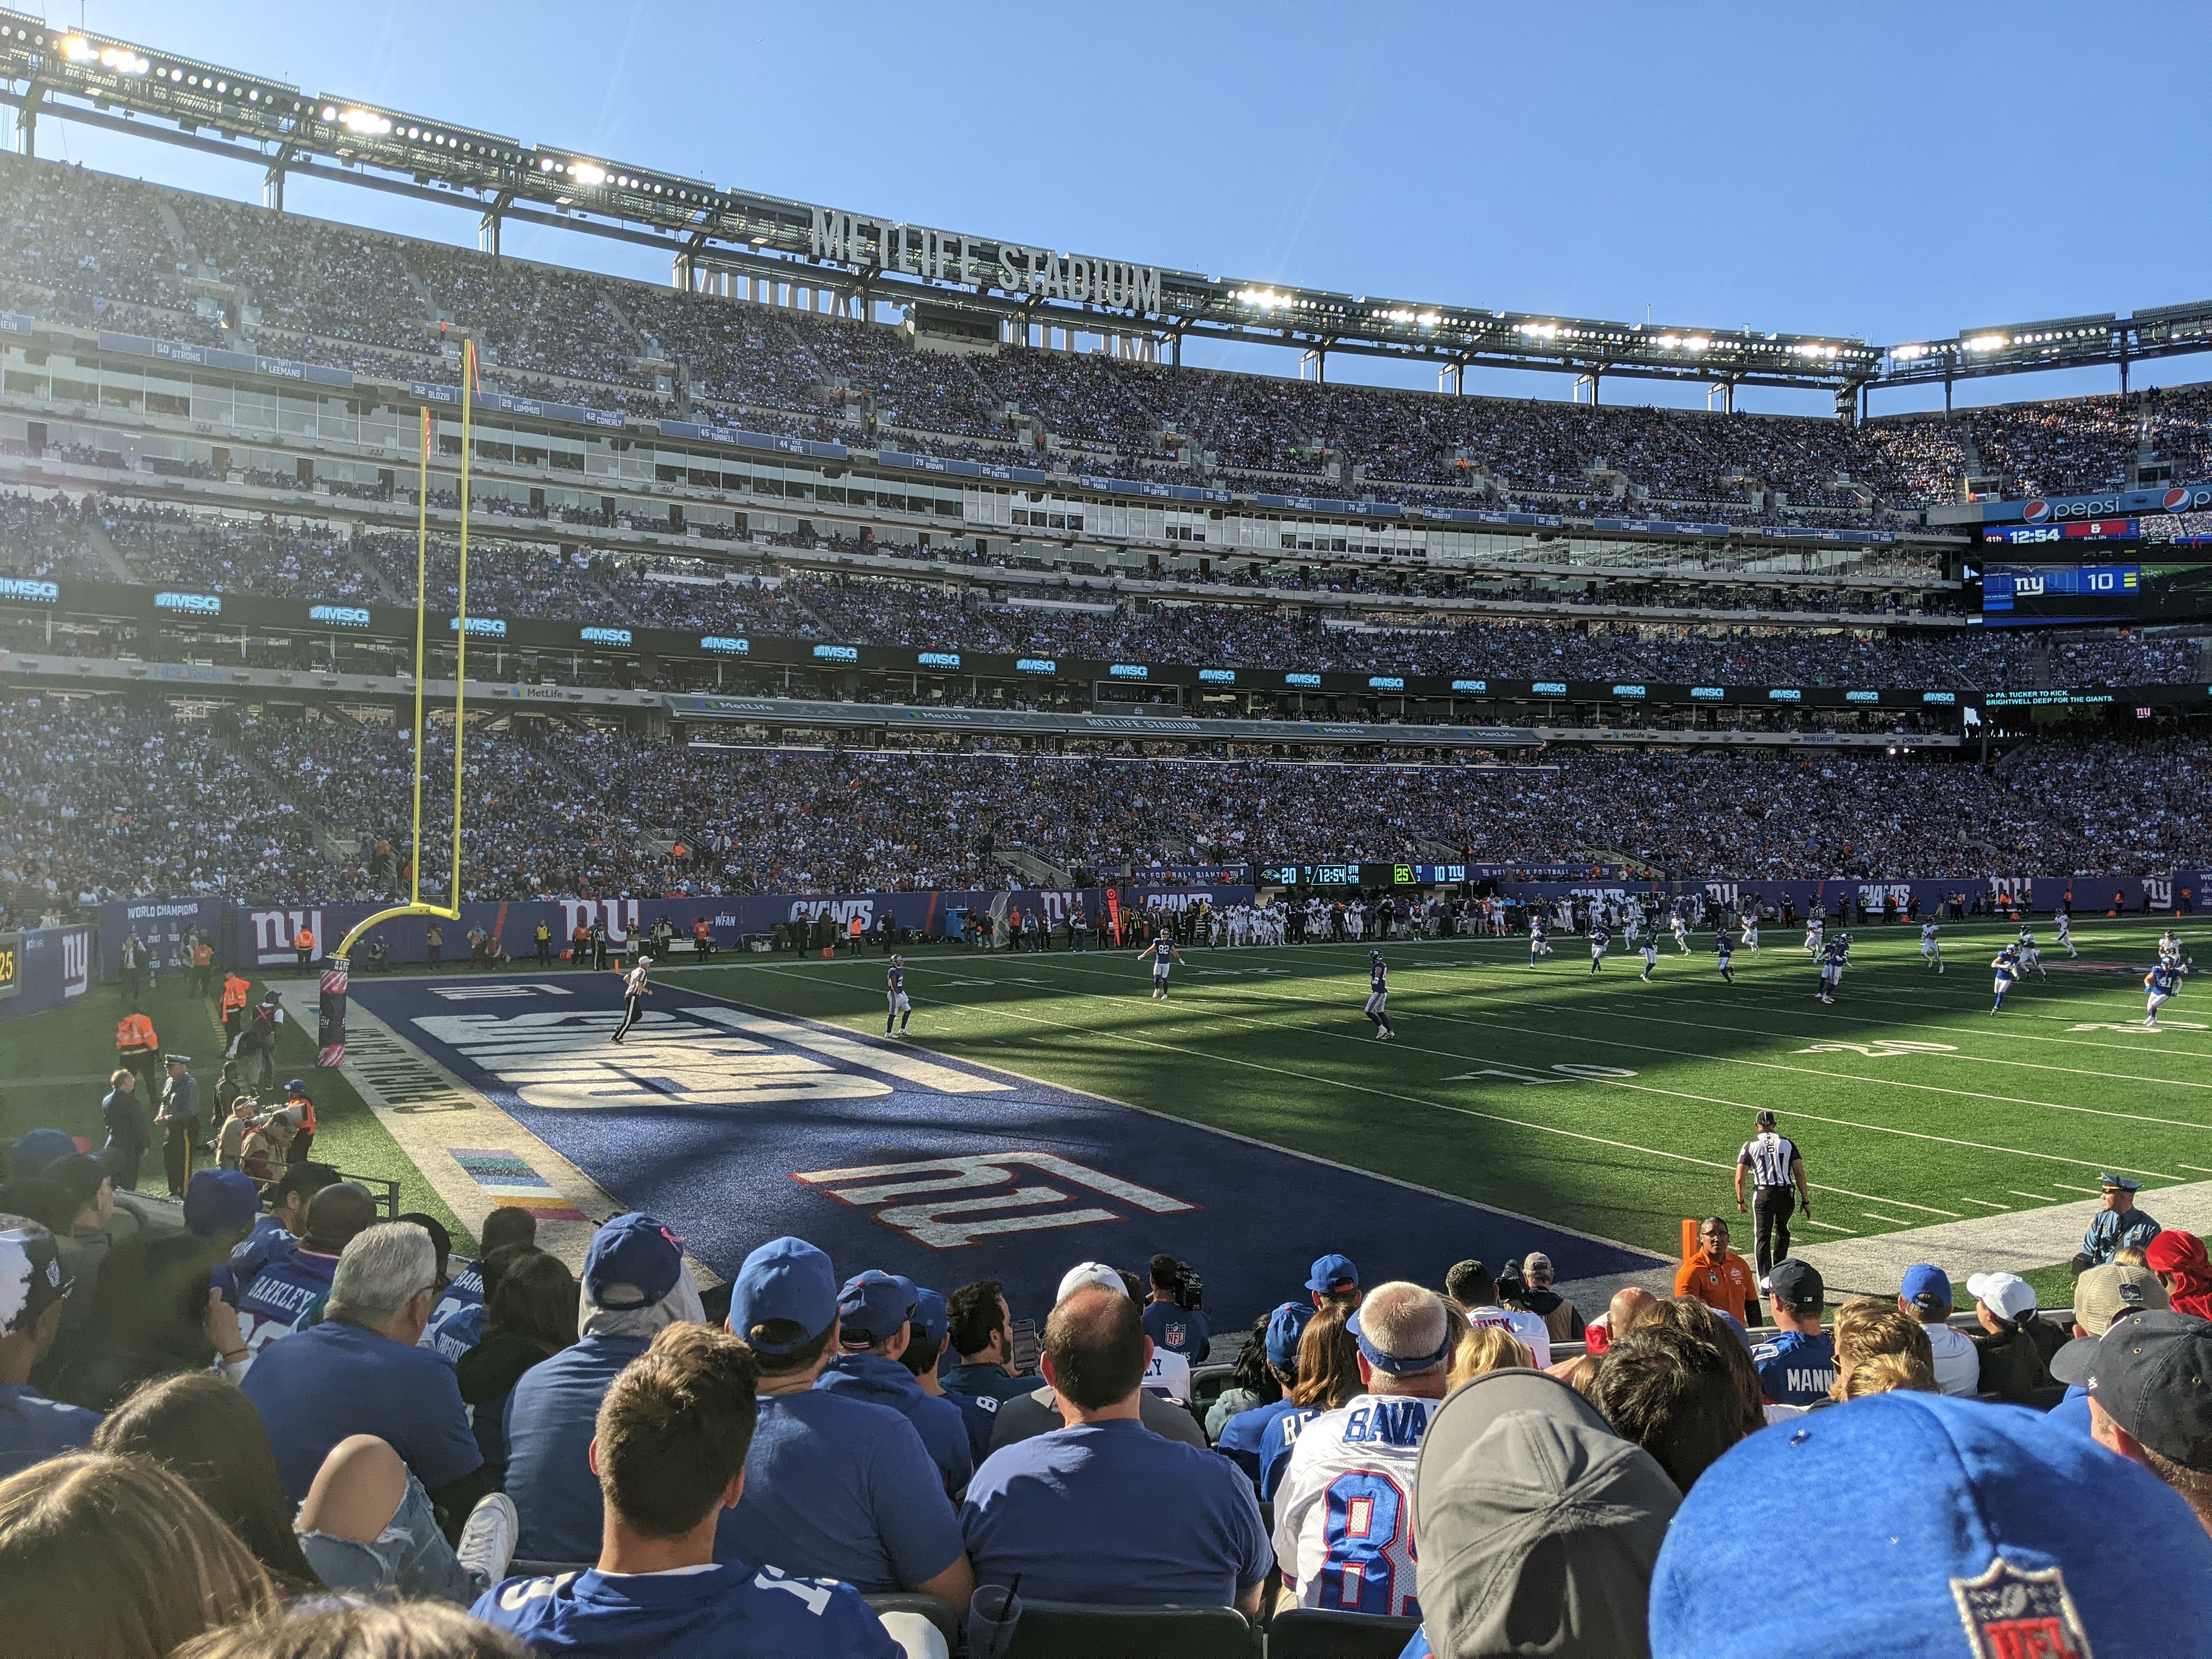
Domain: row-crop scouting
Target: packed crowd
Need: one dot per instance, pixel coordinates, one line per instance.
(83, 242)
(103, 803)
(265, 555)
(307, 1430)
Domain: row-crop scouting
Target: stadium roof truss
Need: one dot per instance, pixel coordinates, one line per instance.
(98, 80)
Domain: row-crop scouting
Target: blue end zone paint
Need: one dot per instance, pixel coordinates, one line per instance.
(711, 1111)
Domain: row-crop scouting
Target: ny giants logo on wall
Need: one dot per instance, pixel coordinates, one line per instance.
(274, 931)
(947, 1203)
(618, 918)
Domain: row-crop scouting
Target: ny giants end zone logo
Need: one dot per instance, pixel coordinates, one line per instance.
(937, 1220)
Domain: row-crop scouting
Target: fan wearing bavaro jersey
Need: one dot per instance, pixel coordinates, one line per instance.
(1343, 1515)
(668, 1449)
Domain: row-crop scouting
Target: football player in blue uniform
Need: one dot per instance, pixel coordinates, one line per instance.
(1834, 953)
(1378, 996)
(1540, 939)
(1724, 954)
(1599, 937)
(2006, 969)
(1163, 952)
(2161, 983)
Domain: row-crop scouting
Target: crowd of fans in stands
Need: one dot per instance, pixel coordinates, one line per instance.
(83, 243)
(105, 803)
(264, 1423)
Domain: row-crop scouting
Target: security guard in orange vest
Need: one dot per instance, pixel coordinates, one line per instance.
(235, 993)
(139, 1050)
(203, 978)
(304, 943)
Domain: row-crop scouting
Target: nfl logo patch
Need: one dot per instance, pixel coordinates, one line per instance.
(2010, 1613)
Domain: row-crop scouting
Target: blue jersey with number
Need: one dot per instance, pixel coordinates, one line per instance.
(2164, 980)
(1162, 952)
(729, 1611)
(895, 979)
(1377, 977)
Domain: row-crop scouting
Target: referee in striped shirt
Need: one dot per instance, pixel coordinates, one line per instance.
(1778, 1175)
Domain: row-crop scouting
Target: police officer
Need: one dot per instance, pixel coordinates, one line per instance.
(1777, 1175)
(178, 1115)
(2116, 1227)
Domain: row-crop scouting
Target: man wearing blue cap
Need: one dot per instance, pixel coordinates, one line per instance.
(1333, 1279)
(2118, 1227)
(1241, 1434)
(875, 1314)
(924, 1351)
(33, 1428)
(834, 1487)
(1925, 1295)
(633, 1283)
(1932, 1526)
(1344, 1513)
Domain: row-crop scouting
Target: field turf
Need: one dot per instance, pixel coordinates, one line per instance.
(1607, 1105)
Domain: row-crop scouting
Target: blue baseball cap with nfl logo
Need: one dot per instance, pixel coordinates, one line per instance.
(1913, 1526)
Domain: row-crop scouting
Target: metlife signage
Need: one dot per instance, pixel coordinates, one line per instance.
(944, 256)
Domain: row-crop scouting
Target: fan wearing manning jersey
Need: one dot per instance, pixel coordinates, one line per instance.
(1931, 952)
(1378, 996)
(1836, 953)
(1599, 940)
(895, 1005)
(2161, 983)
(1344, 1512)
(1163, 952)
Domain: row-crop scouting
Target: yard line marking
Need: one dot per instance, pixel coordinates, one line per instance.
(1892, 1220)
(2040, 1198)
(1828, 1227)
(1986, 1205)
(1811, 1117)
(2070, 1187)
(2194, 1168)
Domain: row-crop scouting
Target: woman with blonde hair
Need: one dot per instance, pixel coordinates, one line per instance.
(1479, 1348)
(1879, 1350)
(115, 1558)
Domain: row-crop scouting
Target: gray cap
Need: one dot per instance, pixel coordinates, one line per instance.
(1539, 1526)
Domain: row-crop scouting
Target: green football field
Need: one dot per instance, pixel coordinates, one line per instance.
(1602, 1104)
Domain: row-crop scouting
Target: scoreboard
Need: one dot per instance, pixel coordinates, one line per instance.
(11, 964)
(1364, 874)
(2016, 595)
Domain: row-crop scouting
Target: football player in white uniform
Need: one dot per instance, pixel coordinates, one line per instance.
(1931, 951)
(1816, 925)
(2066, 934)
(1344, 1512)
(2029, 956)
(1682, 934)
(1751, 930)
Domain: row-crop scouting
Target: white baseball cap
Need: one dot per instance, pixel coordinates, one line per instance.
(2006, 1295)
(1090, 1272)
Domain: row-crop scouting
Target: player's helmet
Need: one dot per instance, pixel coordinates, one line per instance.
(1375, 956)
(897, 959)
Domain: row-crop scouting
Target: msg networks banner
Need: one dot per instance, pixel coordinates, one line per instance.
(43, 968)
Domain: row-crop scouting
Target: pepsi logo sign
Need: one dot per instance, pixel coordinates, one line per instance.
(2174, 499)
(2036, 512)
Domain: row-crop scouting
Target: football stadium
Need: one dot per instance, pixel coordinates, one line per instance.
(731, 925)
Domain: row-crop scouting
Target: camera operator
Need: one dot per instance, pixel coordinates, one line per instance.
(1173, 1318)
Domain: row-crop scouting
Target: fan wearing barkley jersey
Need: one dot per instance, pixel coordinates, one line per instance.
(1344, 1514)
(669, 1450)
(290, 1285)
(457, 1323)
(897, 1007)
(1163, 952)
(1378, 996)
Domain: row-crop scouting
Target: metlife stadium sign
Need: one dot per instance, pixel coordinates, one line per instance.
(944, 256)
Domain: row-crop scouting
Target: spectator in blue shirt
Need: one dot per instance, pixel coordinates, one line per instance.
(278, 1231)
(635, 1286)
(1241, 1436)
(1104, 1510)
(33, 1427)
(1798, 1366)
(669, 1451)
(834, 1487)
(291, 1284)
(982, 1335)
(875, 1314)
(1181, 1330)
(925, 1352)
(359, 1372)
(457, 1323)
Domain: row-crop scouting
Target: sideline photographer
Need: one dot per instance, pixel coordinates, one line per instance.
(1173, 1314)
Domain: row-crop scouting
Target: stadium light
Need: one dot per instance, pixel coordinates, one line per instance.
(584, 172)
(1986, 343)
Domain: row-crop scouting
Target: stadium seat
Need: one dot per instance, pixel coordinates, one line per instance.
(1319, 1633)
(928, 1606)
(1077, 1630)
(1207, 1383)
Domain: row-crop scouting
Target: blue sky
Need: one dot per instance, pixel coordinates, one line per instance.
(1889, 171)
